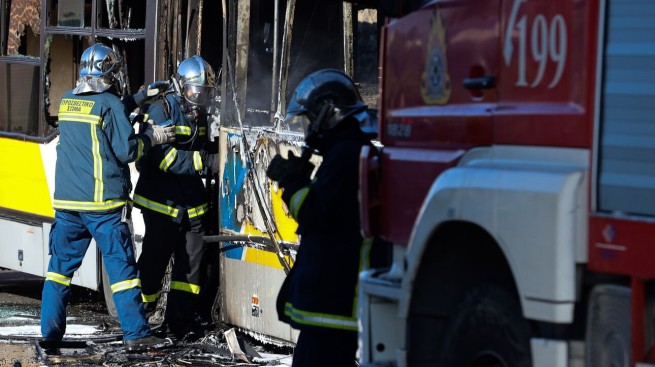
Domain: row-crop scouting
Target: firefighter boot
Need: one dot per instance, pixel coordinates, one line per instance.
(145, 343)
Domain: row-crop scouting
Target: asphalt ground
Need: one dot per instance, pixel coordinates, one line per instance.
(94, 339)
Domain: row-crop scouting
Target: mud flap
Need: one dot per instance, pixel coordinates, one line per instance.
(608, 326)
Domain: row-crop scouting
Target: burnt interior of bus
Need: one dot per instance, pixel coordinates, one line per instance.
(39, 57)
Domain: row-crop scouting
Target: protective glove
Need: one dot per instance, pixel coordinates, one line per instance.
(209, 161)
(150, 91)
(294, 171)
(160, 134)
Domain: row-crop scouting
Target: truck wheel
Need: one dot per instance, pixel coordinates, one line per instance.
(109, 299)
(487, 330)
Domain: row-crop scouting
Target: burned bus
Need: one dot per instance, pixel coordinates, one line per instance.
(260, 51)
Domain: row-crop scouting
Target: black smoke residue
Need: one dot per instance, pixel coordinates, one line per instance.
(317, 43)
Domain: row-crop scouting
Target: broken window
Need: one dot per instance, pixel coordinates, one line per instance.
(132, 52)
(119, 14)
(62, 56)
(69, 13)
(38, 64)
(19, 95)
(19, 66)
(73, 27)
(22, 34)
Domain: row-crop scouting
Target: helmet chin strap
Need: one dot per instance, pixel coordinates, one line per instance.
(323, 115)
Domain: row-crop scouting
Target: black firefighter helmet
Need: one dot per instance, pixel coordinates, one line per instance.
(326, 98)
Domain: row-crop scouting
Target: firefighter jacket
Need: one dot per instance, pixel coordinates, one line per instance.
(169, 177)
(320, 289)
(96, 143)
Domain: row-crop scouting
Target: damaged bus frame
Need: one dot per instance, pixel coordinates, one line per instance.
(260, 50)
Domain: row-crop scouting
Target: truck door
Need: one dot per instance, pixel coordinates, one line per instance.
(440, 68)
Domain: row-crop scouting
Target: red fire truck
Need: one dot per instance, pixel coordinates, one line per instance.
(516, 180)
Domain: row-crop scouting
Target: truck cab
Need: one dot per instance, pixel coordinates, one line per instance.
(513, 183)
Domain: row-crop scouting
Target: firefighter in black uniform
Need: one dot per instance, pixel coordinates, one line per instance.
(319, 296)
(172, 197)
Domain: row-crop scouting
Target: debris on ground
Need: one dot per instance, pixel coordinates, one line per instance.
(212, 350)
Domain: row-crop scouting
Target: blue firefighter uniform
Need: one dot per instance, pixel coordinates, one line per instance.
(92, 186)
(319, 295)
(172, 197)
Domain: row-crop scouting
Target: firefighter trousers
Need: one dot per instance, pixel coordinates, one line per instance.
(162, 239)
(70, 237)
(323, 347)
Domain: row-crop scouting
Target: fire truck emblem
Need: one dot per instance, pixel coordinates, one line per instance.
(435, 81)
(609, 233)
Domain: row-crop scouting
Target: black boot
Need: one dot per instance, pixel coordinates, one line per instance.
(184, 330)
(50, 347)
(145, 343)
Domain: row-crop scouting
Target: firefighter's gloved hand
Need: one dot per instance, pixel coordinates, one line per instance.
(300, 167)
(157, 87)
(294, 171)
(160, 134)
(150, 91)
(209, 161)
(277, 168)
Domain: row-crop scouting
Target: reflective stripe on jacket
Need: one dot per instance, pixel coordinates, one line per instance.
(96, 143)
(321, 289)
(169, 177)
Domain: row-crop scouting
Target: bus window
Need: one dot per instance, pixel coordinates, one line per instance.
(69, 13)
(20, 31)
(19, 98)
(63, 53)
(19, 67)
(132, 53)
(114, 14)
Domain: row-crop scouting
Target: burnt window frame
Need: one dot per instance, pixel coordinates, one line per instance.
(46, 124)
(34, 129)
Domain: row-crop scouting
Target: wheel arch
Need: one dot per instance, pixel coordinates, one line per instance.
(460, 255)
(529, 206)
(460, 258)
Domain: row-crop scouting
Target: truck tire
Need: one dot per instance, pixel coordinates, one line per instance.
(487, 330)
(109, 299)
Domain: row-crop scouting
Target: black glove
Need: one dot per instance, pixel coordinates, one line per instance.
(294, 169)
(277, 168)
(209, 161)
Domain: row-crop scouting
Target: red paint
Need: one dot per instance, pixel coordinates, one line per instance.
(507, 114)
(629, 252)
(531, 104)
(637, 305)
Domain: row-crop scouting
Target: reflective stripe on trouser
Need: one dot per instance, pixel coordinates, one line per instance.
(70, 237)
(162, 239)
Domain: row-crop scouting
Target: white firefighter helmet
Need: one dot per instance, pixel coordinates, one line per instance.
(197, 80)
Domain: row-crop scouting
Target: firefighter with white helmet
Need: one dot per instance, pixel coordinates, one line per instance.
(92, 187)
(172, 197)
(315, 299)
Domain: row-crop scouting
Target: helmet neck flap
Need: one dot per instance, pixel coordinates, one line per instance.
(100, 69)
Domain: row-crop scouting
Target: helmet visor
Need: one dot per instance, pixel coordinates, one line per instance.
(298, 124)
(199, 95)
(295, 107)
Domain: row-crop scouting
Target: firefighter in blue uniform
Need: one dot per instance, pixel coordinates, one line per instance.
(172, 197)
(92, 187)
(314, 298)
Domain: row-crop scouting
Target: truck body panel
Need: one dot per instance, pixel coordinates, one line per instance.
(534, 152)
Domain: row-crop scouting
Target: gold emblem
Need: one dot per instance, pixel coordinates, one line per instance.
(435, 81)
